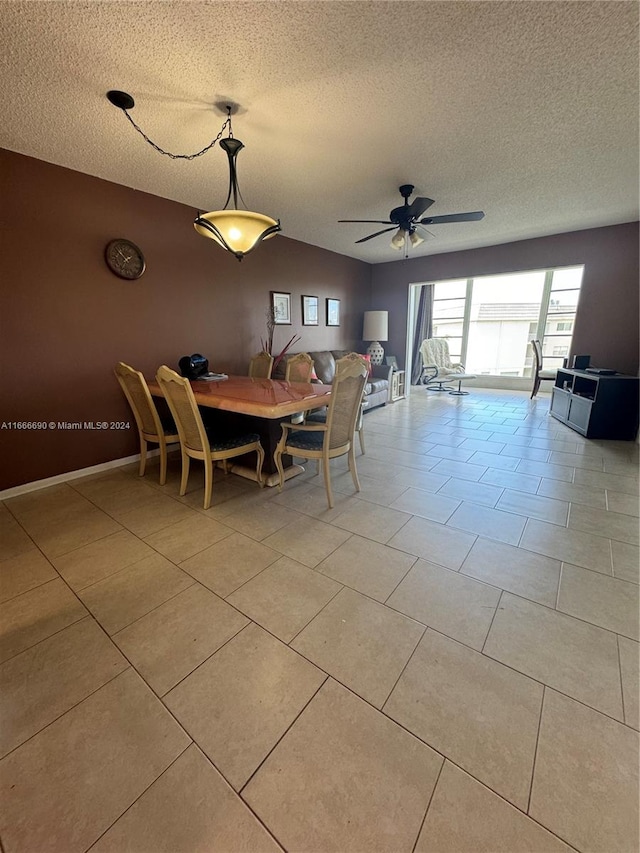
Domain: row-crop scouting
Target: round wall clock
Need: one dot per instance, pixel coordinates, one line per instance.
(124, 259)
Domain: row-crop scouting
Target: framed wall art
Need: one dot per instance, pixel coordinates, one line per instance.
(309, 310)
(333, 312)
(281, 307)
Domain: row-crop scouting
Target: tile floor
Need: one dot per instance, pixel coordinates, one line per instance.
(447, 661)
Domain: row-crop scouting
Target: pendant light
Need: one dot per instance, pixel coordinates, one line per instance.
(236, 231)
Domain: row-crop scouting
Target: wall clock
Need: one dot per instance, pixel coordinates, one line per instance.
(124, 259)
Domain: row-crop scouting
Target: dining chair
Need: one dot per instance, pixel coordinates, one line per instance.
(195, 441)
(150, 426)
(316, 416)
(299, 368)
(333, 438)
(261, 365)
(538, 373)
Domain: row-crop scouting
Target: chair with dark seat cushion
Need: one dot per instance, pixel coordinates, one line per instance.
(151, 428)
(326, 441)
(198, 443)
(538, 373)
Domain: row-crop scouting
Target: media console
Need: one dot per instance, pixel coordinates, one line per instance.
(597, 406)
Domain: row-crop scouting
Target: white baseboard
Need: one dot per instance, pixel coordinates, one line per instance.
(25, 488)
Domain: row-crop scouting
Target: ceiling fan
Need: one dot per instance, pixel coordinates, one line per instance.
(406, 219)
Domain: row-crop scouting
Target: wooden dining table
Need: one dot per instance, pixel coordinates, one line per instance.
(243, 404)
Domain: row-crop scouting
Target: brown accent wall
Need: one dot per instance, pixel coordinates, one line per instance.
(65, 319)
(607, 321)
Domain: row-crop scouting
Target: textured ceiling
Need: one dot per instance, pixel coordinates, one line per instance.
(526, 110)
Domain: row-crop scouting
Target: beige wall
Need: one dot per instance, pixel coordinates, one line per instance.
(607, 321)
(66, 319)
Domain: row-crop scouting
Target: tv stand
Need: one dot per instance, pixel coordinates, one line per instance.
(597, 406)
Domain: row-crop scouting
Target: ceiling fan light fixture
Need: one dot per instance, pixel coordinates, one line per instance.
(415, 239)
(397, 241)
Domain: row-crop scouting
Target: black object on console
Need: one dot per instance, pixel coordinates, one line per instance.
(193, 366)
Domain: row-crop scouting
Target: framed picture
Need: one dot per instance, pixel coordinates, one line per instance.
(391, 361)
(281, 306)
(309, 310)
(333, 312)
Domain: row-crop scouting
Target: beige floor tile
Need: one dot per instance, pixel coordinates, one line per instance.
(425, 480)
(466, 817)
(615, 482)
(626, 504)
(119, 501)
(466, 490)
(575, 460)
(622, 467)
(36, 615)
(511, 480)
(462, 470)
(546, 469)
(171, 641)
(63, 788)
(97, 486)
(433, 542)
(340, 768)
(126, 596)
(374, 491)
(23, 572)
(482, 446)
(41, 502)
(494, 460)
(572, 656)
(570, 546)
(310, 499)
(14, 541)
(626, 561)
(155, 514)
(527, 574)
(446, 451)
(361, 643)
(258, 522)
(576, 494)
(367, 567)
(78, 530)
(534, 506)
(612, 525)
(240, 702)
(183, 539)
(371, 521)
(585, 786)
(492, 523)
(425, 504)
(480, 714)
(536, 454)
(229, 563)
(212, 816)
(451, 603)
(308, 542)
(284, 597)
(43, 682)
(378, 470)
(629, 668)
(601, 600)
(98, 560)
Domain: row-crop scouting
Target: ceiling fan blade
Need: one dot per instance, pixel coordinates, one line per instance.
(418, 206)
(472, 216)
(377, 234)
(369, 221)
(425, 230)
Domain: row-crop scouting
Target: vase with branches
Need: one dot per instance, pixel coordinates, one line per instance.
(267, 343)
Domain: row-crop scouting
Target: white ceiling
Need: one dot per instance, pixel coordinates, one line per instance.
(526, 110)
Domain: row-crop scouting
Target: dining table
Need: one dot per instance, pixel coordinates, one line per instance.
(240, 404)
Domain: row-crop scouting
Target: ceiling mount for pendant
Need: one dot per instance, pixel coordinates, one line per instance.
(236, 231)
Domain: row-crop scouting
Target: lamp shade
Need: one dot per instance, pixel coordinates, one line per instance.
(237, 231)
(376, 326)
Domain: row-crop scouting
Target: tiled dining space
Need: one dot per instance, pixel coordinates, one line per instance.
(446, 661)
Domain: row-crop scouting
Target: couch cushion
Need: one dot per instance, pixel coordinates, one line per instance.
(325, 365)
(377, 385)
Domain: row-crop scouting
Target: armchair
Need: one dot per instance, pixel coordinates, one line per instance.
(438, 369)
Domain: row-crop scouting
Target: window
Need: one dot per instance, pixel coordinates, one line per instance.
(490, 320)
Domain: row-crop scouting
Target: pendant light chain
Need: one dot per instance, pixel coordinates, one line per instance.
(181, 156)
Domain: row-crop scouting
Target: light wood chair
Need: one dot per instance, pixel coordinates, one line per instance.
(538, 373)
(321, 417)
(150, 426)
(261, 365)
(335, 437)
(195, 442)
(299, 368)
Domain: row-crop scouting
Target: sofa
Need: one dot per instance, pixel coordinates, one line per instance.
(376, 392)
